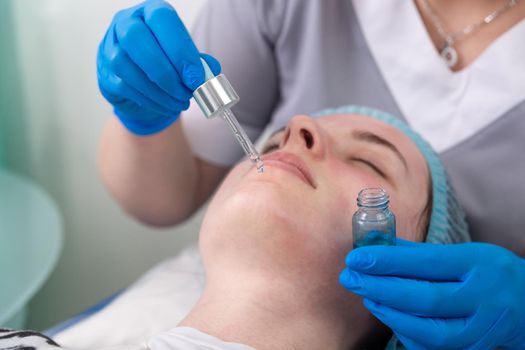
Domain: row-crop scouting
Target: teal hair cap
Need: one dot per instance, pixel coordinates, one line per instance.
(447, 219)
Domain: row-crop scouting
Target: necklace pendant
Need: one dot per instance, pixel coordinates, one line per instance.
(449, 55)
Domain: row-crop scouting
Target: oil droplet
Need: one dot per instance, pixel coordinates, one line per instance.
(260, 166)
(256, 160)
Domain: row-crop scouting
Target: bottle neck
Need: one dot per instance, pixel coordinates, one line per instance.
(373, 198)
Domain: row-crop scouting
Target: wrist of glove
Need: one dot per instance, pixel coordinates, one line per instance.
(145, 126)
(148, 67)
(469, 295)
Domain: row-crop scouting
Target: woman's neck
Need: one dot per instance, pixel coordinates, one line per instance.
(272, 314)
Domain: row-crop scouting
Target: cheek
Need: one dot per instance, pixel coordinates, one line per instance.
(233, 178)
(346, 181)
(339, 204)
(356, 175)
(407, 219)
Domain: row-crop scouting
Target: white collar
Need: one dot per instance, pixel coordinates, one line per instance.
(444, 107)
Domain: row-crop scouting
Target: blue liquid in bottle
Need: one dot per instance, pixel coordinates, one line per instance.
(373, 223)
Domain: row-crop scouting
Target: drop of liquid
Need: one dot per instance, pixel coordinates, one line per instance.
(256, 160)
(260, 166)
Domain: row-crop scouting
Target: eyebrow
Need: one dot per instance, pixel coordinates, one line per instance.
(368, 136)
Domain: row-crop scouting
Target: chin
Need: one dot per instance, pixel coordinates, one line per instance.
(251, 207)
(255, 224)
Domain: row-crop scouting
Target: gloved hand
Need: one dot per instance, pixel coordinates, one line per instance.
(148, 66)
(436, 296)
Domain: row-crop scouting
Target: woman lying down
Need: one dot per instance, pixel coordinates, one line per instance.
(273, 244)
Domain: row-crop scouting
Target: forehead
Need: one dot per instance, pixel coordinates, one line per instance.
(345, 123)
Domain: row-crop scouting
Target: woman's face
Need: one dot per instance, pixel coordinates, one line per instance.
(300, 209)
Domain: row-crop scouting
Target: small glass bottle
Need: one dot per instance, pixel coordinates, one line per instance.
(373, 223)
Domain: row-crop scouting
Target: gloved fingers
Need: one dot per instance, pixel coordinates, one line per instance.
(212, 62)
(485, 343)
(175, 41)
(114, 89)
(486, 324)
(410, 344)
(435, 262)
(424, 298)
(406, 243)
(123, 67)
(131, 110)
(136, 39)
(430, 333)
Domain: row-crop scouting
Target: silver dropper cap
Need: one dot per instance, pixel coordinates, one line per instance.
(215, 95)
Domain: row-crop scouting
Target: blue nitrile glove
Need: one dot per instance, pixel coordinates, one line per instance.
(436, 296)
(148, 66)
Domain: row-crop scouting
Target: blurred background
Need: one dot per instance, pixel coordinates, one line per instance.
(51, 117)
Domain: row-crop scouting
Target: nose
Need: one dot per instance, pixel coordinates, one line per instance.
(304, 134)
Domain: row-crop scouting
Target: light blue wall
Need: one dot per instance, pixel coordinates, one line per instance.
(12, 115)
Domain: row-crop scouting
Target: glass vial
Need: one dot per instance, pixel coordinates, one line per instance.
(373, 223)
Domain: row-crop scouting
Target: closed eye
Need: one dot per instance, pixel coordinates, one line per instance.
(371, 165)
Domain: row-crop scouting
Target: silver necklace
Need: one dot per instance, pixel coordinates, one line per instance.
(447, 50)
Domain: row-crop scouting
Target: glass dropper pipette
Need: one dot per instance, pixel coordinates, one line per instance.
(243, 139)
(215, 98)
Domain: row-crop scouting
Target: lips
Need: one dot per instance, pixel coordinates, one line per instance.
(291, 163)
